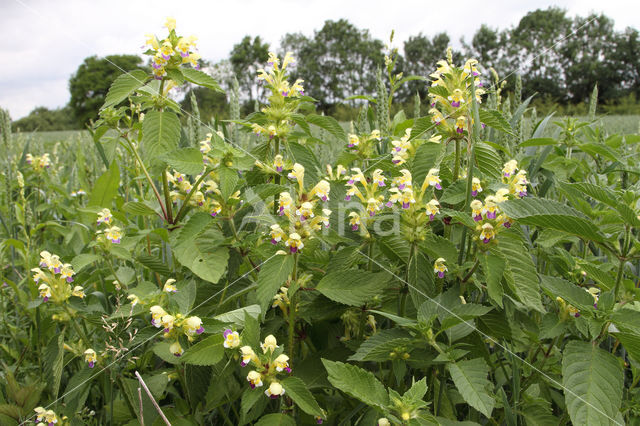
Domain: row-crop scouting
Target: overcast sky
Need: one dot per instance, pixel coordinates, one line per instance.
(46, 41)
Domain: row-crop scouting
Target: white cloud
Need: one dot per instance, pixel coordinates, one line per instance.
(50, 39)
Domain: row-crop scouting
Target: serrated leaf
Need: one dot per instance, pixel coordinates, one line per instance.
(495, 119)
(493, 266)
(206, 352)
(160, 134)
(83, 260)
(420, 278)
(106, 187)
(154, 263)
(137, 208)
(520, 272)
(394, 247)
(488, 160)
(123, 86)
(237, 316)
(201, 79)
(329, 124)
(304, 156)
(427, 157)
(204, 256)
(574, 295)
(605, 196)
(249, 399)
(547, 213)
(356, 382)
(352, 287)
(298, 392)
(470, 378)
(380, 345)
(185, 160)
(273, 274)
(54, 362)
(627, 320)
(593, 382)
(228, 181)
(251, 331)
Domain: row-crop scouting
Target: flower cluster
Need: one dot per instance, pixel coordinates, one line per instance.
(404, 148)
(90, 357)
(490, 220)
(567, 309)
(175, 326)
(111, 232)
(364, 144)
(172, 51)
(305, 213)
(205, 197)
(54, 279)
(450, 95)
(515, 178)
(267, 365)
(38, 163)
(45, 417)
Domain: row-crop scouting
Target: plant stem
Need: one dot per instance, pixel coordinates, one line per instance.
(456, 165)
(292, 309)
(185, 203)
(167, 196)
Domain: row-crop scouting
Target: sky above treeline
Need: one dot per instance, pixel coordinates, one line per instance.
(46, 41)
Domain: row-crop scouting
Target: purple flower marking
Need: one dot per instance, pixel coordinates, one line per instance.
(69, 279)
(279, 168)
(455, 104)
(438, 186)
(440, 274)
(491, 215)
(200, 330)
(507, 224)
(91, 364)
(293, 249)
(347, 198)
(354, 227)
(459, 129)
(45, 299)
(474, 193)
(477, 217)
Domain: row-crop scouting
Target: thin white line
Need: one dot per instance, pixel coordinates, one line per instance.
(130, 351)
(142, 81)
(473, 327)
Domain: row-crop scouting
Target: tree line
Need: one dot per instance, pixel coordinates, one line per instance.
(559, 59)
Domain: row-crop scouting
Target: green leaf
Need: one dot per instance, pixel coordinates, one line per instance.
(631, 343)
(493, 266)
(356, 382)
(303, 155)
(420, 278)
(539, 142)
(273, 274)
(83, 260)
(106, 187)
(160, 134)
(427, 157)
(353, 287)
(593, 382)
(627, 320)
(201, 79)
(520, 272)
(207, 352)
(275, 420)
(137, 208)
(605, 196)
(470, 378)
(380, 345)
(488, 160)
(495, 119)
(203, 256)
(54, 362)
(185, 160)
(551, 214)
(228, 181)
(154, 263)
(249, 399)
(298, 392)
(237, 316)
(123, 86)
(330, 124)
(251, 332)
(574, 295)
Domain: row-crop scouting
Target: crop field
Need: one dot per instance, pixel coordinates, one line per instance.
(473, 263)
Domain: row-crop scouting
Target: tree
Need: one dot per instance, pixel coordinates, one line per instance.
(627, 54)
(44, 119)
(339, 61)
(89, 85)
(420, 57)
(246, 58)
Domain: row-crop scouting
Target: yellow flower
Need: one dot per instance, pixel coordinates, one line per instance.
(354, 221)
(248, 355)
(156, 315)
(354, 140)
(104, 216)
(373, 205)
(297, 173)
(284, 202)
(282, 363)
(78, 291)
(403, 181)
(294, 243)
(383, 422)
(476, 210)
(176, 349)
(270, 344)
(113, 234)
(255, 379)
(509, 168)
(134, 299)
(321, 189)
(278, 164)
(378, 178)
(273, 60)
(170, 24)
(456, 98)
(288, 59)
(192, 325)
(487, 233)
(475, 186)
(433, 208)
(90, 357)
(460, 123)
(231, 339)
(275, 390)
(45, 292)
(305, 211)
(167, 322)
(490, 208)
(216, 208)
(169, 286)
(407, 198)
(67, 273)
(432, 179)
(439, 267)
(152, 41)
(375, 134)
